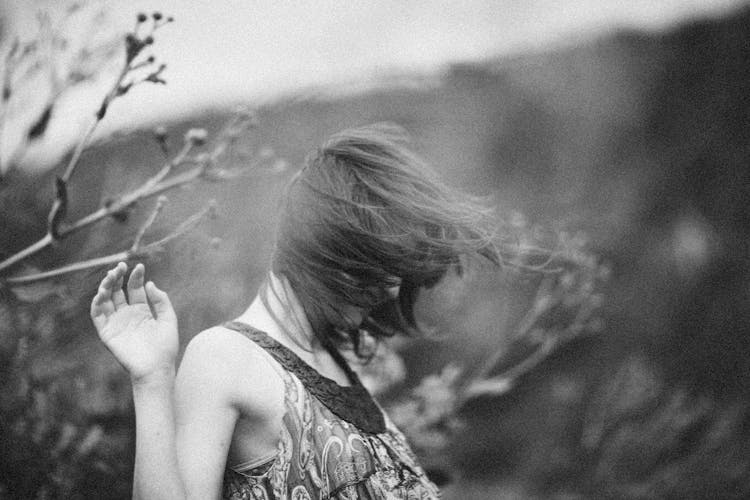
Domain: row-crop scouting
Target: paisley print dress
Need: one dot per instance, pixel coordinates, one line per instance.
(335, 442)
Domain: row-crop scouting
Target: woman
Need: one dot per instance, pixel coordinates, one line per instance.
(266, 406)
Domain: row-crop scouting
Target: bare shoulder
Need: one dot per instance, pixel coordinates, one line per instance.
(231, 367)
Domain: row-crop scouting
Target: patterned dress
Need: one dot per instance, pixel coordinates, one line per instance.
(335, 442)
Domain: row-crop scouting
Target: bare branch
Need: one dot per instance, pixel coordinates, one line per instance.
(145, 191)
(204, 163)
(79, 150)
(180, 158)
(134, 46)
(144, 251)
(155, 185)
(140, 193)
(26, 252)
(78, 266)
(160, 201)
(183, 228)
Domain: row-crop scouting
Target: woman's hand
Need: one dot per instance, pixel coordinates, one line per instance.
(140, 330)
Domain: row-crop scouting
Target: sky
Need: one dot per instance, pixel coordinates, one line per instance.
(221, 52)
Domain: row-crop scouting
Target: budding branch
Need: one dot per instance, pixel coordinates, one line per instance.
(204, 165)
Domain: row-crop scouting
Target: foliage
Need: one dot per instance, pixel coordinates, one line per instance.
(643, 438)
(58, 439)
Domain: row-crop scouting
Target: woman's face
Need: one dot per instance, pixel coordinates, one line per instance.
(354, 316)
(437, 306)
(420, 311)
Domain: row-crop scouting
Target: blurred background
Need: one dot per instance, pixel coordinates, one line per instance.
(622, 126)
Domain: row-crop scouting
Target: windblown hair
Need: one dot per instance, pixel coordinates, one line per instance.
(363, 215)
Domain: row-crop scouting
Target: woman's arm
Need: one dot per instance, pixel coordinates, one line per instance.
(156, 473)
(184, 427)
(171, 462)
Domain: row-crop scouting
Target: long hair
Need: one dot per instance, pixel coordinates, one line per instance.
(365, 215)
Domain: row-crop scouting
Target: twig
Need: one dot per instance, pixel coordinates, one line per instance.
(128, 199)
(205, 165)
(134, 46)
(153, 186)
(26, 252)
(180, 158)
(78, 266)
(125, 201)
(160, 201)
(79, 150)
(126, 255)
(187, 225)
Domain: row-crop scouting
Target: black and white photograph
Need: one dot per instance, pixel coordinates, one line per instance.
(377, 250)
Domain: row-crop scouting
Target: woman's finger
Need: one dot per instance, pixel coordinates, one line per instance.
(118, 295)
(101, 305)
(136, 292)
(160, 302)
(100, 312)
(102, 301)
(104, 292)
(103, 298)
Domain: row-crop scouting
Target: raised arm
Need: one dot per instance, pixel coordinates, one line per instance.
(141, 331)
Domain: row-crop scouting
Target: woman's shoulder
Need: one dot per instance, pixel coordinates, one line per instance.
(229, 346)
(234, 366)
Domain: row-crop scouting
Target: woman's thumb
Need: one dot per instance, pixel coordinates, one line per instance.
(159, 301)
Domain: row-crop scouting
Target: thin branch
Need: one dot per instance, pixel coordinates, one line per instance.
(26, 252)
(150, 188)
(133, 46)
(57, 211)
(129, 199)
(187, 225)
(160, 201)
(58, 229)
(70, 268)
(125, 201)
(151, 248)
(180, 158)
(79, 150)
(155, 185)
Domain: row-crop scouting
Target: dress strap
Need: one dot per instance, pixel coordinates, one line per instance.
(351, 403)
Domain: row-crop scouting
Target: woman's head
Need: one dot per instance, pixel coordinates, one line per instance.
(365, 220)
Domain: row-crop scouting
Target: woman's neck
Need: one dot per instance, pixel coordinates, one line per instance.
(277, 311)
